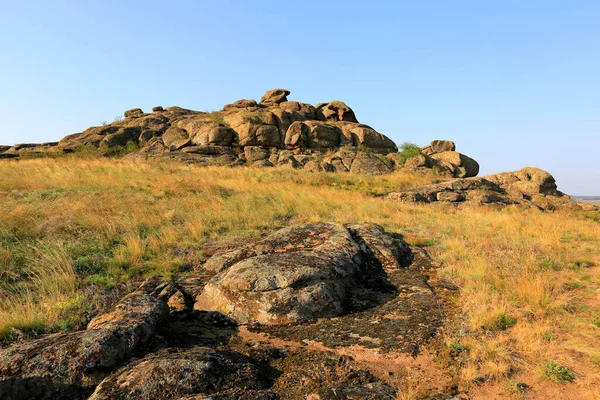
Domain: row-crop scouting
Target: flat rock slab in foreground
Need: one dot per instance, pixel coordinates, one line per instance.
(355, 283)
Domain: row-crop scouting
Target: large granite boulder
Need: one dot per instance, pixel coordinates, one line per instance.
(335, 111)
(298, 273)
(274, 96)
(460, 165)
(439, 146)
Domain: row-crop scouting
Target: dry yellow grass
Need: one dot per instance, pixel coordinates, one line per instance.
(528, 281)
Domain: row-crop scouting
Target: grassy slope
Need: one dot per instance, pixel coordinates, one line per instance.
(69, 228)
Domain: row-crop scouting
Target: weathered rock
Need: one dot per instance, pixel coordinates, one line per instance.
(529, 187)
(377, 391)
(245, 103)
(274, 96)
(335, 111)
(452, 197)
(312, 135)
(157, 109)
(255, 153)
(439, 146)
(208, 133)
(208, 150)
(3, 148)
(528, 181)
(367, 163)
(69, 365)
(174, 374)
(420, 161)
(134, 112)
(365, 136)
(388, 251)
(255, 127)
(262, 164)
(297, 273)
(176, 138)
(299, 111)
(463, 166)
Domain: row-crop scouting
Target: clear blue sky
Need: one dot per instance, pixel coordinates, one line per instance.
(514, 83)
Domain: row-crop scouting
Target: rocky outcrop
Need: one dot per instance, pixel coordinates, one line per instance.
(274, 124)
(530, 187)
(351, 285)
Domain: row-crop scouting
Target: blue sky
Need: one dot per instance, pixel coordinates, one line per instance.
(513, 83)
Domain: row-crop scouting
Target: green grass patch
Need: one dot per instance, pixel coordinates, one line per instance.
(555, 372)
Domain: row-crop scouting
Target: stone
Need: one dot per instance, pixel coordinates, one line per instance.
(255, 153)
(335, 111)
(208, 150)
(420, 161)
(204, 132)
(371, 164)
(451, 197)
(255, 127)
(157, 109)
(176, 138)
(365, 136)
(312, 135)
(177, 302)
(528, 181)
(295, 274)
(439, 146)
(245, 103)
(262, 164)
(134, 112)
(463, 166)
(172, 374)
(275, 96)
(298, 273)
(71, 364)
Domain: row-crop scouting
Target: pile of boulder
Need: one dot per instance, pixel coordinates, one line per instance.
(271, 132)
(340, 285)
(530, 187)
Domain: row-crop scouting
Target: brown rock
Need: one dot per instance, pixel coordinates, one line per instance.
(69, 365)
(134, 112)
(451, 197)
(298, 273)
(255, 127)
(261, 283)
(157, 109)
(274, 96)
(372, 164)
(335, 111)
(176, 138)
(439, 146)
(464, 167)
(255, 153)
(171, 374)
(312, 135)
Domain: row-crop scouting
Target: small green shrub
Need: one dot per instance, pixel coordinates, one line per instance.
(517, 387)
(118, 151)
(500, 322)
(408, 150)
(557, 373)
